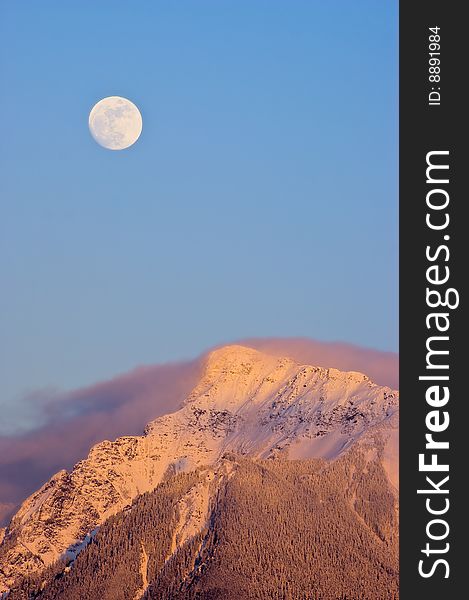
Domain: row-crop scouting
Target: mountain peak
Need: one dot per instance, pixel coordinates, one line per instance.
(247, 402)
(237, 359)
(232, 354)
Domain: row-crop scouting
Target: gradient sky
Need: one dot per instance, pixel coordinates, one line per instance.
(260, 200)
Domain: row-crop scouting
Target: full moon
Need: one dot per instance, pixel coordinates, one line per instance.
(115, 123)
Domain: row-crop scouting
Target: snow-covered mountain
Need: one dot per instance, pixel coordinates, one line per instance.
(248, 403)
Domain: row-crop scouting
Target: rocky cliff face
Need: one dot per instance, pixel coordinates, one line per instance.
(248, 403)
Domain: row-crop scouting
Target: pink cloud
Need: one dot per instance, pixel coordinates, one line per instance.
(381, 367)
(76, 420)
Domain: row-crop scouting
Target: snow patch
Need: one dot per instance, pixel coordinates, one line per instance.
(193, 511)
(144, 574)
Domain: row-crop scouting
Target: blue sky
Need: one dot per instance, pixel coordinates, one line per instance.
(260, 200)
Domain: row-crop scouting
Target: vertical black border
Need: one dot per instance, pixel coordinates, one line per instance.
(424, 128)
